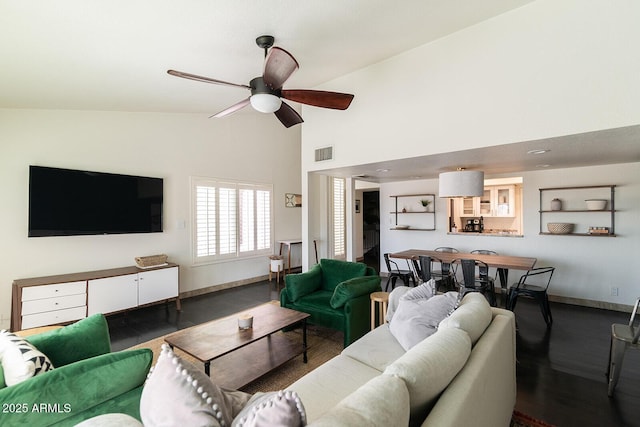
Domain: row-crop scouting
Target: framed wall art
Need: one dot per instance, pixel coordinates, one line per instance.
(292, 200)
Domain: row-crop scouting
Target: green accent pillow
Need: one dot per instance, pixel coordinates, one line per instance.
(2, 383)
(77, 387)
(86, 338)
(336, 271)
(299, 285)
(354, 288)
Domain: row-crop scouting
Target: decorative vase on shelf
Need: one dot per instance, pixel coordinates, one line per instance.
(556, 205)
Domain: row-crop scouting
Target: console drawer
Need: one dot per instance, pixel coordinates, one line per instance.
(51, 304)
(53, 317)
(57, 290)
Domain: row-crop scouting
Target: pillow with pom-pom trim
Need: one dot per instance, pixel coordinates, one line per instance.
(177, 393)
(273, 409)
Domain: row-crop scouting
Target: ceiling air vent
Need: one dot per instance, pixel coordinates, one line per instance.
(323, 154)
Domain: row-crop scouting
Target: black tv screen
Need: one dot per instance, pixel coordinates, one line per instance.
(66, 202)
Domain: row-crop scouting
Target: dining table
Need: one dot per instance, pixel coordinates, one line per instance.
(503, 263)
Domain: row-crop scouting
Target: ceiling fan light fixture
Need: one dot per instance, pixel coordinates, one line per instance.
(265, 102)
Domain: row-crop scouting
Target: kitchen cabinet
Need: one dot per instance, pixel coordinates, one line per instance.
(410, 214)
(469, 206)
(595, 223)
(496, 201)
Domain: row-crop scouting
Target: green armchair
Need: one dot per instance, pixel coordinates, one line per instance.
(336, 295)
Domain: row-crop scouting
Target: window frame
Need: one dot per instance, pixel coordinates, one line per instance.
(259, 239)
(337, 217)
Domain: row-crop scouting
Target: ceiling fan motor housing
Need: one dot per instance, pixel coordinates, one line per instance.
(259, 86)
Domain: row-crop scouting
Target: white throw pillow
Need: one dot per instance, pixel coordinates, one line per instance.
(394, 300)
(273, 409)
(177, 393)
(417, 318)
(20, 359)
(425, 290)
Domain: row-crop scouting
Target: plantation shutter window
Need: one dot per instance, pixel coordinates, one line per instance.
(338, 222)
(231, 220)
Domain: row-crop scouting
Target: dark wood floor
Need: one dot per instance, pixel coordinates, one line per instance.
(560, 371)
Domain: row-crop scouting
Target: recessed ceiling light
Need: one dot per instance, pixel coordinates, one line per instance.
(540, 151)
(382, 170)
(542, 166)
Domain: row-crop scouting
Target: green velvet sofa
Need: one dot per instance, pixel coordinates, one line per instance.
(88, 379)
(336, 295)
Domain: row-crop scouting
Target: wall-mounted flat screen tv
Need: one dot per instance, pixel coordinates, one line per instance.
(66, 202)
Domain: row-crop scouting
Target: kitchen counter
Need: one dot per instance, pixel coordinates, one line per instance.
(493, 233)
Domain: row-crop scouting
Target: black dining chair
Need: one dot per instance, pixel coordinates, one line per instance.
(425, 264)
(503, 289)
(534, 284)
(446, 275)
(623, 337)
(396, 273)
(480, 282)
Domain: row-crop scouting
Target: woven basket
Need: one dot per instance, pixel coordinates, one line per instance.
(560, 227)
(151, 260)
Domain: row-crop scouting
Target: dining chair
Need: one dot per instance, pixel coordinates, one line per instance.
(396, 273)
(623, 336)
(426, 269)
(503, 289)
(481, 282)
(534, 284)
(446, 275)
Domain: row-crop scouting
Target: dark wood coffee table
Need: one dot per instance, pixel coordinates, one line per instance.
(241, 356)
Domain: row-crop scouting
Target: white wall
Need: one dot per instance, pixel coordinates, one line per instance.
(550, 68)
(248, 147)
(547, 69)
(587, 267)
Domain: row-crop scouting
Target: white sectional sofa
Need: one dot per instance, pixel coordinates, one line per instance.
(462, 375)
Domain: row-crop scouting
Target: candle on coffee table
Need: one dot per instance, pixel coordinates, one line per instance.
(245, 321)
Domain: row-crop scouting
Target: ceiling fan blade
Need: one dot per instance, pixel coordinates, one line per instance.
(288, 116)
(319, 98)
(204, 79)
(235, 107)
(278, 67)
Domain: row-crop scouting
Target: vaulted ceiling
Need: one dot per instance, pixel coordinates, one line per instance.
(113, 56)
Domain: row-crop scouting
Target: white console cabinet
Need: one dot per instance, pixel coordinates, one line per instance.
(157, 285)
(111, 294)
(51, 300)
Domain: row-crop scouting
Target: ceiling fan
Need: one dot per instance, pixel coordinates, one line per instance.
(267, 92)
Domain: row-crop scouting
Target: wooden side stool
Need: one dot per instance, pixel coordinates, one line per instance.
(382, 299)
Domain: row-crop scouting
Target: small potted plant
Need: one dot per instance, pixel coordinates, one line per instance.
(425, 204)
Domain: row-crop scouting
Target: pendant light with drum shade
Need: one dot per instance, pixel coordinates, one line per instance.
(461, 183)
